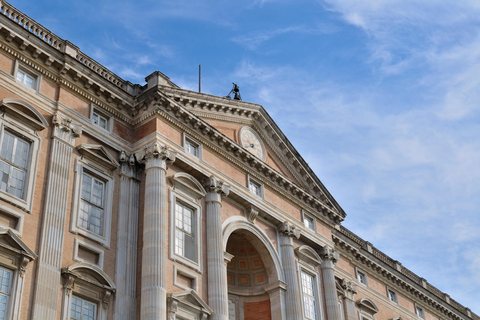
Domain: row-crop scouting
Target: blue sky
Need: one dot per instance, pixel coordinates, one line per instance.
(381, 97)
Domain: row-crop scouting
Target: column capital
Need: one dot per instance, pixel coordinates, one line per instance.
(128, 164)
(289, 230)
(65, 128)
(350, 289)
(214, 185)
(156, 155)
(329, 254)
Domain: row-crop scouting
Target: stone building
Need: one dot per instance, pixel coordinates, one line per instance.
(122, 201)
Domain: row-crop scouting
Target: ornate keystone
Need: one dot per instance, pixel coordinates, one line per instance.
(214, 185)
(289, 230)
(251, 213)
(329, 254)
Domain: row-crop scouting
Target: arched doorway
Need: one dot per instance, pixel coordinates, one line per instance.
(254, 276)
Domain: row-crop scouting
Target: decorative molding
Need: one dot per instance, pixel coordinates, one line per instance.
(251, 213)
(65, 128)
(287, 229)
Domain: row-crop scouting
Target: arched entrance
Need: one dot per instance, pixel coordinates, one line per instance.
(254, 276)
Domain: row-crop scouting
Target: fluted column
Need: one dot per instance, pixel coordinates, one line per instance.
(154, 252)
(54, 216)
(350, 289)
(127, 234)
(329, 258)
(217, 270)
(293, 301)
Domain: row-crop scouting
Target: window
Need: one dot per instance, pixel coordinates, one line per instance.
(192, 146)
(87, 291)
(420, 312)
(308, 291)
(100, 118)
(309, 220)
(26, 79)
(84, 252)
(19, 146)
(93, 197)
(14, 257)
(82, 309)
(254, 186)
(14, 156)
(392, 295)
(92, 204)
(185, 217)
(5, 287)
(362, 277)
(184, 231)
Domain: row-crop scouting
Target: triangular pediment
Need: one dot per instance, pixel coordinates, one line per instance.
(98, 154)
(190, 299)
(11, 242)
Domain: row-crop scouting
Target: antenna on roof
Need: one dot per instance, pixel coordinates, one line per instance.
(199, 78)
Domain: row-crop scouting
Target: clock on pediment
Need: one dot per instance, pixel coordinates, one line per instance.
(251, 141)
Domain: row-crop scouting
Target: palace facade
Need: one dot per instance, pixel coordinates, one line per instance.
(121, 201)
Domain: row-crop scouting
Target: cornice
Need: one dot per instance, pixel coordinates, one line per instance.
(162, 106)
(392, 271)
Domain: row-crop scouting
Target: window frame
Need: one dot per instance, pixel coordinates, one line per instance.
(94, 110)
(186, 139)
(28, 71)
(420, 311)
(79, 243)
(395, 300)
(29, 135)
(308, 262)
(358, 272)
(313, 276)
(80, 167)
(83, 300)
(253, 181)
(308, 215)
(183, 192)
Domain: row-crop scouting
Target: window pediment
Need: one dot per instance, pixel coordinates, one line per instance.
(91, 274)
(98, 155)
(11, 242)
(367, 305)
(308, 255)
(24, 113)
(189, 301)
(189, 185)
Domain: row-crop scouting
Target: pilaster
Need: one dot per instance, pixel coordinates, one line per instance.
(127, 234)
(287, 233)
(350, 289)
(154, 253)
(48, 278)
(216, 266)
(329, 259)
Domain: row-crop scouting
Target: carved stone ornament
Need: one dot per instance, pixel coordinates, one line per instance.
(329, 254)
(172, 309)
(289, 230)
(69, 284)
(214, 185)
(251, 213)
(23, 266)
(106, 299)
(161, 152)
(65, 128)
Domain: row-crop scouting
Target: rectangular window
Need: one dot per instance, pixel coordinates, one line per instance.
(5, 286)
(420, 312)
(192, 148)
(26, 79)
(255, 188)
(308, 222)
(362, 277)
(392, 295)
(100, 120)
(14, 160)
(92, 204)
(184, 231)
(308, 290)
(82, 309)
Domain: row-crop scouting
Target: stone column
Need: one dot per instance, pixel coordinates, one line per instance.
(329, 258)
(54, 216)
(216, 267)
(350, 289)
(154, 252)
(293, 295)
(276, 292)
(127, 235)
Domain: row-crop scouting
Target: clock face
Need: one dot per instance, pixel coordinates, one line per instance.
(250, 141)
